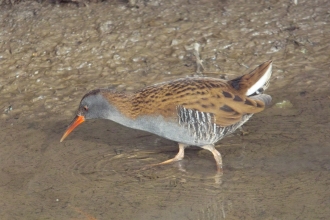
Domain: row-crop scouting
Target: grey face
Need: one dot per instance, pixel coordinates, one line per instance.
(93, 106)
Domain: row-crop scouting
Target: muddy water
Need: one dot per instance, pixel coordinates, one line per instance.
(50, 56)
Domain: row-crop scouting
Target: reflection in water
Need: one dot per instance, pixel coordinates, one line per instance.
(51, 55)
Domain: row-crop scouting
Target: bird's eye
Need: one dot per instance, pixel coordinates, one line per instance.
(86, 108)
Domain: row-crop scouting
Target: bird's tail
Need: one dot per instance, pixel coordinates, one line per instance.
(267, 99)
(254, 82)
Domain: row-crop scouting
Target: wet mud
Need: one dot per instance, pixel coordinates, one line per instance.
(52, 54)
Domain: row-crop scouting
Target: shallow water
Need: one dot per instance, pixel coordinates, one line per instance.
(50, 56)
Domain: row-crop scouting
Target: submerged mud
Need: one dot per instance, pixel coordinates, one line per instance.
(51, 55)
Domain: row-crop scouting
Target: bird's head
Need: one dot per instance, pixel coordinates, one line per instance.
(92, 105)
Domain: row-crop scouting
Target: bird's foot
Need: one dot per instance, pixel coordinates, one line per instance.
(178, 157)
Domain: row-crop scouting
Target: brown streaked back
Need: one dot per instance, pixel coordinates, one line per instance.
(203, 94)
(225, 100)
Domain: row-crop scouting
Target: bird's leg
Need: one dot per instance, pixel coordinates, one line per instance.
(178, 157)
(216, 154)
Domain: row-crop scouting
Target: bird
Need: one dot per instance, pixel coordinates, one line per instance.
(192, 111)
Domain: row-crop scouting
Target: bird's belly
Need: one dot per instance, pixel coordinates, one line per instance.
(190, 134)
(172, 130)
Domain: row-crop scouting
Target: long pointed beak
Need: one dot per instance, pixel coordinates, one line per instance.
(76, 121)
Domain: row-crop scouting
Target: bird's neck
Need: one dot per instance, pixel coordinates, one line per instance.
(120, 101)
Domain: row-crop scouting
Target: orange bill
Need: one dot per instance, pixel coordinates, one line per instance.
(76, 121)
